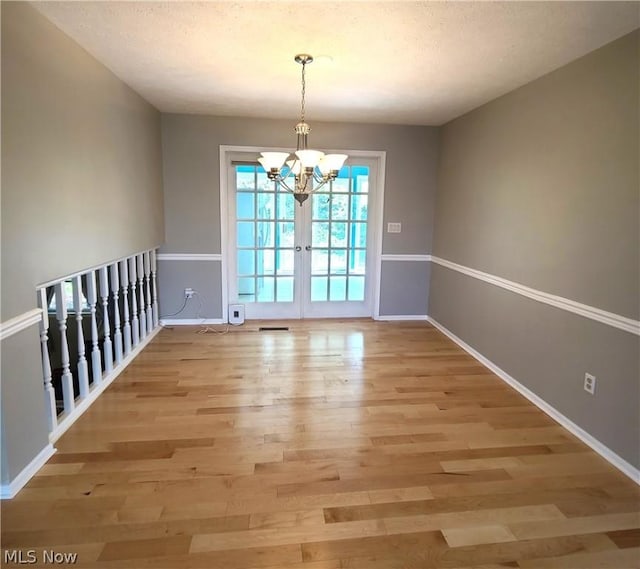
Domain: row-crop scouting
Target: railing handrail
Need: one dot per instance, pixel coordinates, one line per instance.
(93, 268)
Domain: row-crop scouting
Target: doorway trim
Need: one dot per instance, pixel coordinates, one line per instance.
(380, 157)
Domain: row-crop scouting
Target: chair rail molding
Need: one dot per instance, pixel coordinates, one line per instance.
(20, 322)
(591, 312)
(399, 257)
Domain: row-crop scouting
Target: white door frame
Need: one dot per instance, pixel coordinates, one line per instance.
(374, 220)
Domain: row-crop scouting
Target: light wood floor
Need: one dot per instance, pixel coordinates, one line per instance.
(350, 444)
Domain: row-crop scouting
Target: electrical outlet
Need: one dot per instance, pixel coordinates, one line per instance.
(188, 293)
(590, 383)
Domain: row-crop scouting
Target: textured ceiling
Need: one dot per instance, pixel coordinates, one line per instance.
(420, 63)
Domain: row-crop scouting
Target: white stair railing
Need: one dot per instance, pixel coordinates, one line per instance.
(83, 368)
(154, 268)
(67, 379)
(124, 284)
(115, 291)
(147, 290)
(96, 357)
(107, 348)
(49, 393)
(78, 362)
(143, 316)
(135, 324)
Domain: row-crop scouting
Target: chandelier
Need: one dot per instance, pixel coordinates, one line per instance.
(307, 170)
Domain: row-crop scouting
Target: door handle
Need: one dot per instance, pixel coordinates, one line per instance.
(307, 248)
(298, 248)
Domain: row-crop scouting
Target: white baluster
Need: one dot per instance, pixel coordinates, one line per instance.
(67, 379)
(154, 268)
(147, 289)
(124, 283)
(135, 326)
(83, 368)
(92, 299)
(117, 334)
(143, 317)
(107, 346)
(49, 393)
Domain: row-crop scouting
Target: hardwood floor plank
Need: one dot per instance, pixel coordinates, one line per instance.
(340, 444)
(460, 537)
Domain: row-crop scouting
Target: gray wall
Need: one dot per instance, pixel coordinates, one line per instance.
(402, 290)
(191, 160)
(541, 187)
(81, 186)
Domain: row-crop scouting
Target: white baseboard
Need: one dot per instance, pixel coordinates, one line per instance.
(95, 392)
(8, 491)
(604, 451)
(190, 321)
(392, 317)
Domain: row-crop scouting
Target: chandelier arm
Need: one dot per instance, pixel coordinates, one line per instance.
(319, 179)
(280, 180)
(321, 184)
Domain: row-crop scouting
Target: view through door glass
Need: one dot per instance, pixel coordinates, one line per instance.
(339, 237)
(265, 233)
(293, 261)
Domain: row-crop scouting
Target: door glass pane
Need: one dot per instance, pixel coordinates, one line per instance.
(320, 206)
(285, 260)
(263, 182)
(284, 289)
(245, 233)
(245, 177)
(266, 289)
(319, 234)
(320, 261)
(244, 205)
(318, 289)
(358, 235)
(265, 262)
(356, 288)
(247, 289)
(338, 261)
(285, 206)
(337, 288)
(357, 261)
(341, 183)
(266, 234)
(285, 234)
(266, 206)
(338, 234)
(246, 265)
(359, 207)
(340, 207)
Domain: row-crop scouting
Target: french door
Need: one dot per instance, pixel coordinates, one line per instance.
(309, 261)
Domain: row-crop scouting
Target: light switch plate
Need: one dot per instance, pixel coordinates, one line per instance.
(394, 227)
